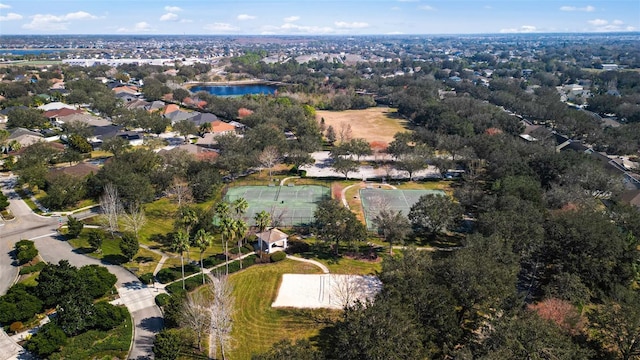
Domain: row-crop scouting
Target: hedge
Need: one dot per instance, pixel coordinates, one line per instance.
(33, 268)
(189, 284)
(171, 274)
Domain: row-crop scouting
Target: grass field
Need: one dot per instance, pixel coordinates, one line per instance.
(373, 124)
(257, 325)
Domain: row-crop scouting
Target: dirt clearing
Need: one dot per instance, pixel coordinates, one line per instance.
(372, 124)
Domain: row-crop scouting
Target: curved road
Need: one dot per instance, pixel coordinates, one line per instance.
(138, 298)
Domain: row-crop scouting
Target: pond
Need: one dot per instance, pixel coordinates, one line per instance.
(235, 90)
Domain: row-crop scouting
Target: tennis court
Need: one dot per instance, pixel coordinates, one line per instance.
(375, 200)
(288, 205)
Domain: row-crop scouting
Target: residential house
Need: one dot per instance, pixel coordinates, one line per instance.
(219, 127)
(55, 106)
(79, 170)
(202, 118)
(198, 152)
(24, 137)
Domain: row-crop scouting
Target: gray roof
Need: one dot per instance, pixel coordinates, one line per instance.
(18, 132)
(202, 118)
(180, 115)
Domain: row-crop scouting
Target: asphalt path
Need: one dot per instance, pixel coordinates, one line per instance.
(138, 298)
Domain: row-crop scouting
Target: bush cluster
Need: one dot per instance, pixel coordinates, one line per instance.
(297, 247)
(162, 299)
(278, 256)
(25, 251)
(146, 278)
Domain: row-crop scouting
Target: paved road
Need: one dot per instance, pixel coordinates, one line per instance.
(138, 298)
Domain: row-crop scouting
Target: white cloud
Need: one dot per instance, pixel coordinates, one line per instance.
(5, 6)
(522, 29)
(222, 27)
(53, 22)
(291, 28)
(242, 17)
(395, 8)
(427, 8)
(587, 8)
(602, 25)
(140, 27)
(172, 9)
(488, 7)
(169, 17)
(10, 17)
(350, 25)
(598, 22)
(291, 19)
(79, 15)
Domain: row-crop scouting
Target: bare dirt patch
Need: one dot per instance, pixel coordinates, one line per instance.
(373, 124)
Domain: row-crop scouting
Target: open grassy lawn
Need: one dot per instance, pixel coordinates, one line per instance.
(256, 324)
(373, 124)
(344, 265)
(96, 344)
(143, 262)
(160, 218)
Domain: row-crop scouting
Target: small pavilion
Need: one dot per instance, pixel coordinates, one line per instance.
(272, 240)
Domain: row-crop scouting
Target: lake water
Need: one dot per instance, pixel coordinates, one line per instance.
(235, 90)
(30, 51)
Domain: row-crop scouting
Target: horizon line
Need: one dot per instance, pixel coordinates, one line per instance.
(345, 35)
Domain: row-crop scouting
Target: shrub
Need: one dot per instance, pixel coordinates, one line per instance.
(297, 247)
(98, 279)
(107, 316)
(146, 278)
(33, 268)
(74, 227)
(96, 237)
(278, 256)
(162, 299)
(18, 305)
(25, 251)
(212, 261)
(189, 284)
(167, 275)
(129, 246)
(16, 326)
(46, 341)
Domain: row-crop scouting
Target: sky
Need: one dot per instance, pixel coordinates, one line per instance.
(316, 17)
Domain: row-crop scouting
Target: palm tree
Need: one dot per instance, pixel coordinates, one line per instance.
(263, 219)
(241, 231)
(203, 240)
(181, 244)
(187, 218)
(205, 128)
(240, 207)
(228, 226)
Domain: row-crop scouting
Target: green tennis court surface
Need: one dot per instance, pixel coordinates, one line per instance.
(288, 205)
(375, 200)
